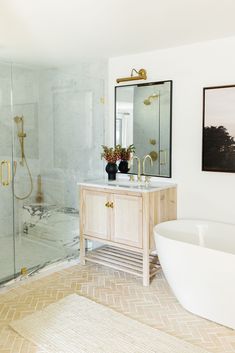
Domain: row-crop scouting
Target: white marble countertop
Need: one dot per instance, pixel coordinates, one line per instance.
(124, 184)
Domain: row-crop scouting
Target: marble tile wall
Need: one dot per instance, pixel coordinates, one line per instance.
(72, 129)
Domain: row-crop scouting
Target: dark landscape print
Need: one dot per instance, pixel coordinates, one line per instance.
(219, 129)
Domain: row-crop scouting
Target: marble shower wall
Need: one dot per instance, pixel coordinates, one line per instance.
(71, 129)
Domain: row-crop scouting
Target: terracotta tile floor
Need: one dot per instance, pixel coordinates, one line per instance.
(156, 306)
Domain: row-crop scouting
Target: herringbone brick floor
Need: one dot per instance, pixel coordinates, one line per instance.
(155, 306)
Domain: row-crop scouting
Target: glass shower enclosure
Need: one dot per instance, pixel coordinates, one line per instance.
(51, 129)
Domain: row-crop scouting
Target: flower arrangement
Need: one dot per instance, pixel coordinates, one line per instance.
(125, 153)
(113, 154)
(110, 154)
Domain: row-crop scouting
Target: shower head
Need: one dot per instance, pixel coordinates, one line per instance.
(154, 95)
(18, 119)
(149, 100)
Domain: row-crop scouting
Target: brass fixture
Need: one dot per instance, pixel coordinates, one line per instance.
(109, 204)
(24, 271)
(21, 135)
(7, 165)
(141, 75)
(150, 99)
(164, 160)
(39, 196)
(152, 142)
(153, 155)
(19, 120)
(131, 177)
(144, 160)
(139, 178)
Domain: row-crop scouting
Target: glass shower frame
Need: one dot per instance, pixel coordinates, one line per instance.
(7, 225)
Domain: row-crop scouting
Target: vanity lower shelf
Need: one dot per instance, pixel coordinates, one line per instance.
(122, 260)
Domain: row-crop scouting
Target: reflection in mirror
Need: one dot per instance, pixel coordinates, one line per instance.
(143, 118)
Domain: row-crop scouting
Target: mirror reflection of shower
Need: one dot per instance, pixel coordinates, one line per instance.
(19, 120)
(151, 98)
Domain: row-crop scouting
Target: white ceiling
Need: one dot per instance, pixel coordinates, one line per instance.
(64, 31)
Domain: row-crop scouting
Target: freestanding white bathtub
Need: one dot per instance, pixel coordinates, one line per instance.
(198, 260)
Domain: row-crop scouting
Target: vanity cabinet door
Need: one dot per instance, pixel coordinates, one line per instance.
(96, 214)
(127, 220)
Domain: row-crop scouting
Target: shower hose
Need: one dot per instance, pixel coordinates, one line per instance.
(29, 174)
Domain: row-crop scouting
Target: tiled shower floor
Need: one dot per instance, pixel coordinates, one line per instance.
(29, 253)
(49, 233)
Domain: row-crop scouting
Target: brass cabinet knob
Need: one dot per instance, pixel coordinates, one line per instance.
(109, 204)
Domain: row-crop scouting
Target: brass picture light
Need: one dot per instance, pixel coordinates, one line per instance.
(141, 75)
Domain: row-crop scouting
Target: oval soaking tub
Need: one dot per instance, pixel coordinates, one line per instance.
(198, 260)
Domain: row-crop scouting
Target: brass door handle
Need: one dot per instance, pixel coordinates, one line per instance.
(5, 181)
(107, 204)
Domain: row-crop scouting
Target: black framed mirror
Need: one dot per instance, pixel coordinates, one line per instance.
(143, 117)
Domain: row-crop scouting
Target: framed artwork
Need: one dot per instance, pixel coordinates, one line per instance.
(218, 145)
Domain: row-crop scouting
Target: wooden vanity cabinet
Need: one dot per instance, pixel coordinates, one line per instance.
(116, 217)
(123, 220)
(126, 220)
(96, 216)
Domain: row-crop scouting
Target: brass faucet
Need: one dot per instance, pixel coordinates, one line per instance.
(139, 167)
(147, 178)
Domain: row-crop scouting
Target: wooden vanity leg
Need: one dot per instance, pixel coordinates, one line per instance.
(146, 239)
(82, 250)
(82, 239)
(145, 270)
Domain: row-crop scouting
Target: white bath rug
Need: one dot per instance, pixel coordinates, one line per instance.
(78, 325)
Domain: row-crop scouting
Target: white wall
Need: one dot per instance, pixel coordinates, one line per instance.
(206, 195)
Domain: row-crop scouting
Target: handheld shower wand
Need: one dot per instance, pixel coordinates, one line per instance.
(21, 135)
(19, 120)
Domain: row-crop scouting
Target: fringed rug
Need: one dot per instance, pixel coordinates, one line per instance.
(78, 325)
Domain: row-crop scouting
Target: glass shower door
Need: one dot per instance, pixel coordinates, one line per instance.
(7, 249)
(57, 123)
(34, 213)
